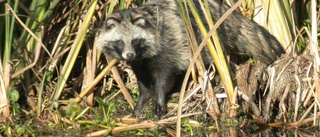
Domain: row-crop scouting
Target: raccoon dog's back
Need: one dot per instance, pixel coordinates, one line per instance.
(242, 36)
(153, 40)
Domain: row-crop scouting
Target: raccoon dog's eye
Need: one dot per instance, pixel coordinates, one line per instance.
(118, 45)
(111, 22)
(139, 21)
(137, 42)
(119, 42)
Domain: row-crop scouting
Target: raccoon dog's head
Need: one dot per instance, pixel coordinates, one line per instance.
(128, 35)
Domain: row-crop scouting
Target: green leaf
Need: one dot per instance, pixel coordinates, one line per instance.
(14, 95)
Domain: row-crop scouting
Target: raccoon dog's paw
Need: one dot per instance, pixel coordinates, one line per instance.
(160, 109)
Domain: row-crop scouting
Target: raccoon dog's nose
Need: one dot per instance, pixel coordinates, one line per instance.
(130, 56)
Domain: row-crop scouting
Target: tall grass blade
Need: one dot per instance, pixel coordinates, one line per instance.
(75, 48)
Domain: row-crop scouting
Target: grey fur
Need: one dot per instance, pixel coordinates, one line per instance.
(154, 41)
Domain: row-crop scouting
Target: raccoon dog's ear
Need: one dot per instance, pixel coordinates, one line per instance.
(140, 21)
(111, 22)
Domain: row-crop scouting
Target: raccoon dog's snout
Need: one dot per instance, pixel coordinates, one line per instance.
(129, 56)
(130, 52)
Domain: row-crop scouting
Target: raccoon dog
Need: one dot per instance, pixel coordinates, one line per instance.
(153, 40)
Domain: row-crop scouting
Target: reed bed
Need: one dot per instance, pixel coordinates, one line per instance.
(54, 81)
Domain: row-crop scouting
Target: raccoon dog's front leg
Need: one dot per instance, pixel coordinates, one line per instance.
(164, 83)
(145, 83)
(144, 96)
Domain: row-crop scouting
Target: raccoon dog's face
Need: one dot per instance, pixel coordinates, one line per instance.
(127, 35)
